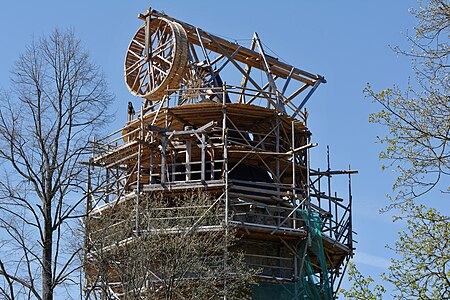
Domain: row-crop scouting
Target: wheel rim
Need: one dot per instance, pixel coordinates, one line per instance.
(149, 75)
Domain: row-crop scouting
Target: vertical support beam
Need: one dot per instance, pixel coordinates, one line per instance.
(89, 181)
(248, 69)
(319, 179)
(303, 257)
(118, 187)
(294, 193)
(203, 158)
(212, 151)
(225, 165)
(225, 150)
(108, 185)
(188, 159)
(296, 275)
(147, 42)
(350, 200)
(138, 175)
(150, 174)
(88, 210)
(164, 142)
(329, 191)
(342, 277)
(163, 159)
(166, 113)
(308, 188)
(174, 167)
(336, 217)
(277, 150)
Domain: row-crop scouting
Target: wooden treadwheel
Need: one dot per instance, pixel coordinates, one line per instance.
(156, 58)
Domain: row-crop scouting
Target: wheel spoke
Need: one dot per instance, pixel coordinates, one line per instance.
(152, 75)
(137, 77)
(164, 59)
(163, 34)
(155, 36)
(142, 80)
(165, 46)
(160, 70)
(136, 65)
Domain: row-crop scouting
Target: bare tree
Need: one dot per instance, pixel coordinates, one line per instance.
(58, 97)
(182, 251)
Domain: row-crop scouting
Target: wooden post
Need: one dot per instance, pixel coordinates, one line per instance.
(88, 209)
(164, 140)
(118, 187)
(248, 69)
(163, 159)
(225, 165)
(174, 167)
(108, 185)
(277, 159)
(273, 87)
(147, 41)
(225, 150)
(277, 149)
(188, 159)
(89, 181)
(203, 166)
(150, 172)
(212, 161)
(150, 169)
(138, 175)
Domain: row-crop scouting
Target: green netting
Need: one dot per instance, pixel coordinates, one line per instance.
(313, 284)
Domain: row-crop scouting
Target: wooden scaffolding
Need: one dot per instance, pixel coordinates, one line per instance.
(246, 143)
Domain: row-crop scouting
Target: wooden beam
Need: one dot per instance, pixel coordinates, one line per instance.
(271, 80)
(203, 158)
(188, 159)
(247, 71)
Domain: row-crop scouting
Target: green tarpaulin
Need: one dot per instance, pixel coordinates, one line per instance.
(313, 283)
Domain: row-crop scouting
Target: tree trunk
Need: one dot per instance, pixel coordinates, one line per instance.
(47, 253)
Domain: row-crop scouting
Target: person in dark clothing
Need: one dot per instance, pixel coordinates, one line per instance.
(131, 111)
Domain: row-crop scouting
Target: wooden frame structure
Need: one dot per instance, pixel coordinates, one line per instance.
(246, 143)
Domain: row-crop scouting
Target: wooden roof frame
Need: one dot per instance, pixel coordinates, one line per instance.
(251, 58)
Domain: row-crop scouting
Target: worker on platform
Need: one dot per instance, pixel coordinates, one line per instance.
(131, 111)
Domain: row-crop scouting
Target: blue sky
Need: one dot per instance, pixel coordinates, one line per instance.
(345, 41)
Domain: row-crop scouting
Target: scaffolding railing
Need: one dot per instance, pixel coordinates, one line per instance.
(174, 147)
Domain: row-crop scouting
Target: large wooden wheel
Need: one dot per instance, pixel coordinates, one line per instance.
(156, 58)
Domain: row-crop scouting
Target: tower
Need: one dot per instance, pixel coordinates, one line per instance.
(246, 144)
